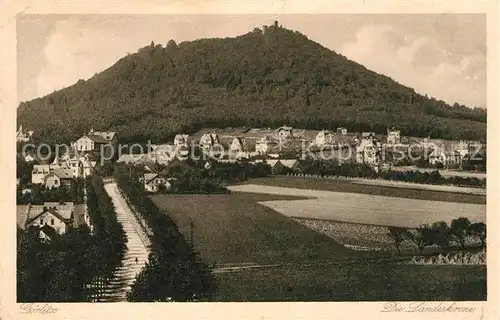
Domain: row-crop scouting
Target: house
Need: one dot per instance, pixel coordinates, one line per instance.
(263, 145)
(22, 136)
(40, 171)
(131, 158)
(324, 137)
(342, 131)
(368, 152)
(87, 167)
(52, 217)
(165, 153)
(367, 135)
(237, 145)
(277, 165)
(393, 136)
(181, 140)
(284, 132)
(59, 177)
(97, 141)
(208, 140)
(153, 182)
(76, 166)
(446, 158)
(29, 157)
(59, 220)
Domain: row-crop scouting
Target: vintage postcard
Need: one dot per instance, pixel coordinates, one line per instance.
(230, 159)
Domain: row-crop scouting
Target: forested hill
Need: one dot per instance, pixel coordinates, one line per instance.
(265, 78)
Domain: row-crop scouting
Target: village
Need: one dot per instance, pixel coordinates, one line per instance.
(279, 148)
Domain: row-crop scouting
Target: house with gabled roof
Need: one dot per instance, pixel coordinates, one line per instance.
(57, 216)
(59, 221)
(153, 182)
(59, 177)
(97, 140)
(23, 136)
(237, 145)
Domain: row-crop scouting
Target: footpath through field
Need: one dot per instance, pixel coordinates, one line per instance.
(137, 247)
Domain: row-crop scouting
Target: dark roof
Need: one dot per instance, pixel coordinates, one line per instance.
(97, 138)
(54, 213)
(63, 173)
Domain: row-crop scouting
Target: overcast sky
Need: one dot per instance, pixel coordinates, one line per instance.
(443, 56)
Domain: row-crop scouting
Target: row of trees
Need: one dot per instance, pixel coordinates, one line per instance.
(333, 168)
(439, 234)
(106, 229)
(174, 271)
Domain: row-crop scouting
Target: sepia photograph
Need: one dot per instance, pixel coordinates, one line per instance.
(251, 157)
(241, 158)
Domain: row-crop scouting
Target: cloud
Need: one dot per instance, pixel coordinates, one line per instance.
(422, 63)
(74, 51)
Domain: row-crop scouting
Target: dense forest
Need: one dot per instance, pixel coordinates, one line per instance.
(265, 78)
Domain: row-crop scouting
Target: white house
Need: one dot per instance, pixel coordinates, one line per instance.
(446, 158)
(181, 140)
(166, 153)
(22, 136)
(59, 220)
(40, 171)
(59, 177)
(95, 139)
(237, 145)
(131, 158)
(368, 151)
(284, 132)
(153, 182)
(324, 137)
(393, 136)
(342, 131)
(29, 157)
(263, 145)
(208, 140)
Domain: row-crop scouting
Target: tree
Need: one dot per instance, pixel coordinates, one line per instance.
(459, 230)
(398, 236)
(478, 230)
(421, 237)
(440, 233)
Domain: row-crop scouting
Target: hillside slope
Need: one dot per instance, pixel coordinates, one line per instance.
(262, 78)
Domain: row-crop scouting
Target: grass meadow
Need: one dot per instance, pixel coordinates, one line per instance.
(297, 263)
(236, 229)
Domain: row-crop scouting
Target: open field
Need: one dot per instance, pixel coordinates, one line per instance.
(420, 186)
(345, 185)
(363, 208)
(366, 280)
(300, 264)
(235, 229)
